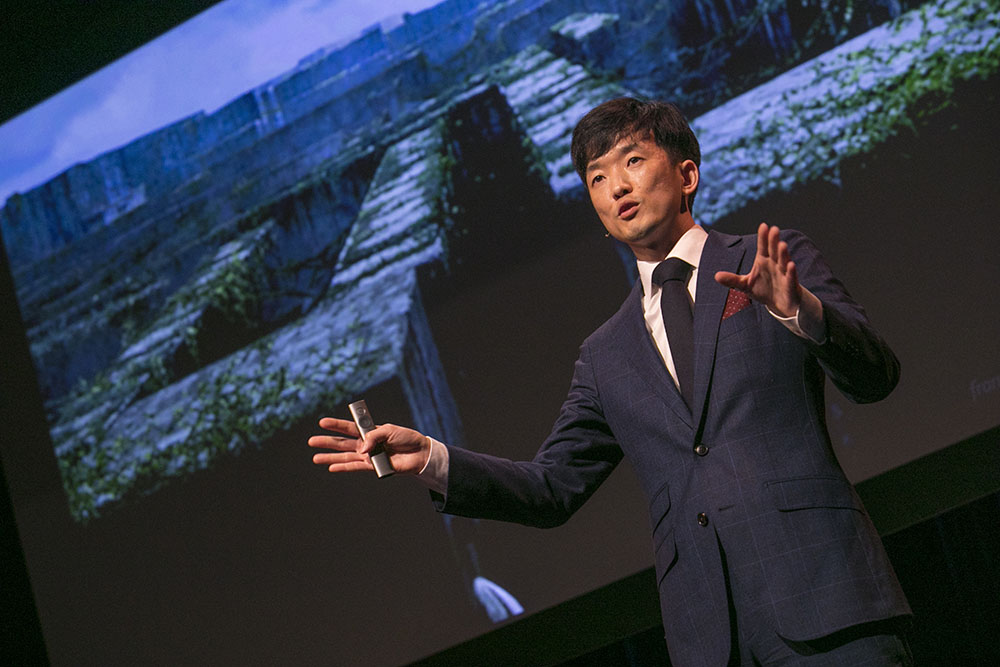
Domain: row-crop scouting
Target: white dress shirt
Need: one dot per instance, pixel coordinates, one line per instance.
(688, 248)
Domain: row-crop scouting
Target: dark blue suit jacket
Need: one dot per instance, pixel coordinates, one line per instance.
(765, 478)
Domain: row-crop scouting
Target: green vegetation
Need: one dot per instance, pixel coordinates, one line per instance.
(856, 100)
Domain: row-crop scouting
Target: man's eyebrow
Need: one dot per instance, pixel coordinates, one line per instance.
(620, 151)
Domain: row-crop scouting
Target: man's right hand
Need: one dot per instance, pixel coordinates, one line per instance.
(408, 449)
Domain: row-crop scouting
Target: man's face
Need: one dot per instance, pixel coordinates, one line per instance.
(638, 191)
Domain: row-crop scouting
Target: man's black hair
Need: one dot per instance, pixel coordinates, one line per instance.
(607, 124)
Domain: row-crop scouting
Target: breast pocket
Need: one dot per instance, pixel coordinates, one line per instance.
(742, 320)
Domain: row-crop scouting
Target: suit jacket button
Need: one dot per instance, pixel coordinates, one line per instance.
(702, 519)
(701, 449)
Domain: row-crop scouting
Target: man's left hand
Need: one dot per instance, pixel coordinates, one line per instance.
(772, 280)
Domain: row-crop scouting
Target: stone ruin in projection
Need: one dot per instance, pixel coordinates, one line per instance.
(217, 263)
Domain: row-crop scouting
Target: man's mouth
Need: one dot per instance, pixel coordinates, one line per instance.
(627, 209)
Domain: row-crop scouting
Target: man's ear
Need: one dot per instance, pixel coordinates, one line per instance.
(691, 175)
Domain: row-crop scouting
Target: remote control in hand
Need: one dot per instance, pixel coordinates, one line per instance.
(365, 423)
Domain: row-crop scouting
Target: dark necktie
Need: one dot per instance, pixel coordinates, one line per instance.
(675, 307)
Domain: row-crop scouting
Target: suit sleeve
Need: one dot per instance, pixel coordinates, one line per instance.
(574, 460)
(854, 355)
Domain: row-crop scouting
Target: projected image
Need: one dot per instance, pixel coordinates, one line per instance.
(202, 286)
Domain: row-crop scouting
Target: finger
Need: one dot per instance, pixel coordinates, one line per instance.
(333, 442)
(350, 467)
(783, 256)
(342, 426)
(773, 239)
(381, 433)
(762, 239)
(330, 458)
(731, 280)
(793, 275)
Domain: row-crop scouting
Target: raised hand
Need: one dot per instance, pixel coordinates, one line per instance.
(408, 449)
(772, 280)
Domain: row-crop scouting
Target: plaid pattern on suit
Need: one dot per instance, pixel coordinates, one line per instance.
(750, 466)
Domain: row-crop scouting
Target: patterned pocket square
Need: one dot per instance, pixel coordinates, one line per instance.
(735, 302)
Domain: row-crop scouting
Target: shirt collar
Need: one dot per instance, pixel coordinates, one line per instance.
(688, 248)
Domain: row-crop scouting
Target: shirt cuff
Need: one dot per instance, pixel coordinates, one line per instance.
(434, 474)
(807, 322)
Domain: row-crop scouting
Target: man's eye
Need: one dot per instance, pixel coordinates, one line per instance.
(634, 159)
(596, 179)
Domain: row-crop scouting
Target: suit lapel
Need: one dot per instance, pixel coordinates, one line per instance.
(722, 252)
(645, 360)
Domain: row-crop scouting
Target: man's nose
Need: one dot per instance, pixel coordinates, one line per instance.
(620, 186)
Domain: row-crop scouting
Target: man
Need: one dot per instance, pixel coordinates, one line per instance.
(763, 551)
